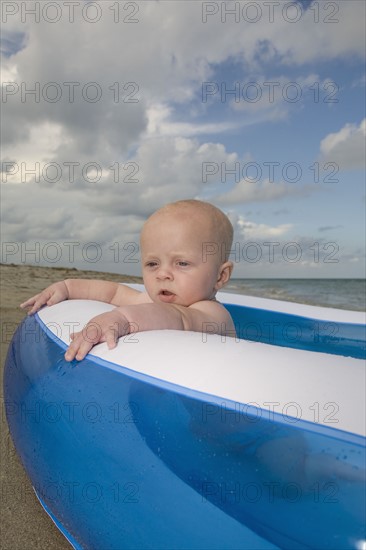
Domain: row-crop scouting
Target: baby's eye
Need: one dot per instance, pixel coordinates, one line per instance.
(182, 263)
(151, 264)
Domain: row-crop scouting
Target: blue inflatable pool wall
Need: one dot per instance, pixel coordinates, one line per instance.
(121, 459)
(295, 331)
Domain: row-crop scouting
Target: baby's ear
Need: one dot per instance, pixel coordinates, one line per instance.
(224, 274)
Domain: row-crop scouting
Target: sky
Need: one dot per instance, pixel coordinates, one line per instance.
(112, 109)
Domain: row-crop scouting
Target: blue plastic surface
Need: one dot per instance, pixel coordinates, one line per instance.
(122, 461)
(294, 331)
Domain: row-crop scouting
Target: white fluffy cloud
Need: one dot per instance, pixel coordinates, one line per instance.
(126, 91)
(251, 231)
(246, 191)
(165, 56)
(346, 147)
(160, 171)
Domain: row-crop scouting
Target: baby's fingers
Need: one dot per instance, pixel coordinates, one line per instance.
(83, 341)
(28, 302)
(102, 328)
(51, 295)
(111, 338)
(78, 348)
(35, 303)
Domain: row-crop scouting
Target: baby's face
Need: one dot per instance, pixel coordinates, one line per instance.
(174, 268)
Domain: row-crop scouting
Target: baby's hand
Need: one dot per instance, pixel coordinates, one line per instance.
(107, 327)
(51, 295)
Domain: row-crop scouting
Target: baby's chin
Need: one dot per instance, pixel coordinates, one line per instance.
(173, 299)
(178, 301)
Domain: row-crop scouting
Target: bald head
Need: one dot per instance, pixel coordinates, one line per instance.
(216, 228)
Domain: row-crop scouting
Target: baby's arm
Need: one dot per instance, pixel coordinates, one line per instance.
(71, 289)
(205, 316)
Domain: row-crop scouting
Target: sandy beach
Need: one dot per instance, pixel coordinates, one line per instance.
(25, 525)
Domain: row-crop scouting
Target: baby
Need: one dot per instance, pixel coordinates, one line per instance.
(184, 253)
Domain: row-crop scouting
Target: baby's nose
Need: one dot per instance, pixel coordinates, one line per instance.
(164, 273)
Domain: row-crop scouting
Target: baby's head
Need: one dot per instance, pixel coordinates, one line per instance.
(185, 247)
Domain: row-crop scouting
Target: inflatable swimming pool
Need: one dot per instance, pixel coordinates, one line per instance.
(180, 440)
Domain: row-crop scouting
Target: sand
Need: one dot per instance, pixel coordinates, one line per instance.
(24, 524)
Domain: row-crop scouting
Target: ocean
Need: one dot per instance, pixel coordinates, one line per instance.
(337, 293)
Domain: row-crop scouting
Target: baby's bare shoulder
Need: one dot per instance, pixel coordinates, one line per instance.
(214, 311)
(214, 314)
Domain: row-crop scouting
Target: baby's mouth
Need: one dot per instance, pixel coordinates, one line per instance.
(166, 296)
(166, 293)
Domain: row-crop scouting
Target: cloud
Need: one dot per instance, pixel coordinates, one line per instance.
(171, 70)
(148, 131)
(174, 65)
(323, 34)
(346, 147)
(272, 96)
(12, 43)
(161, 123)
(161, 170)
(330, 227)
(248, 190)
(246, 229)
(251, 230)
